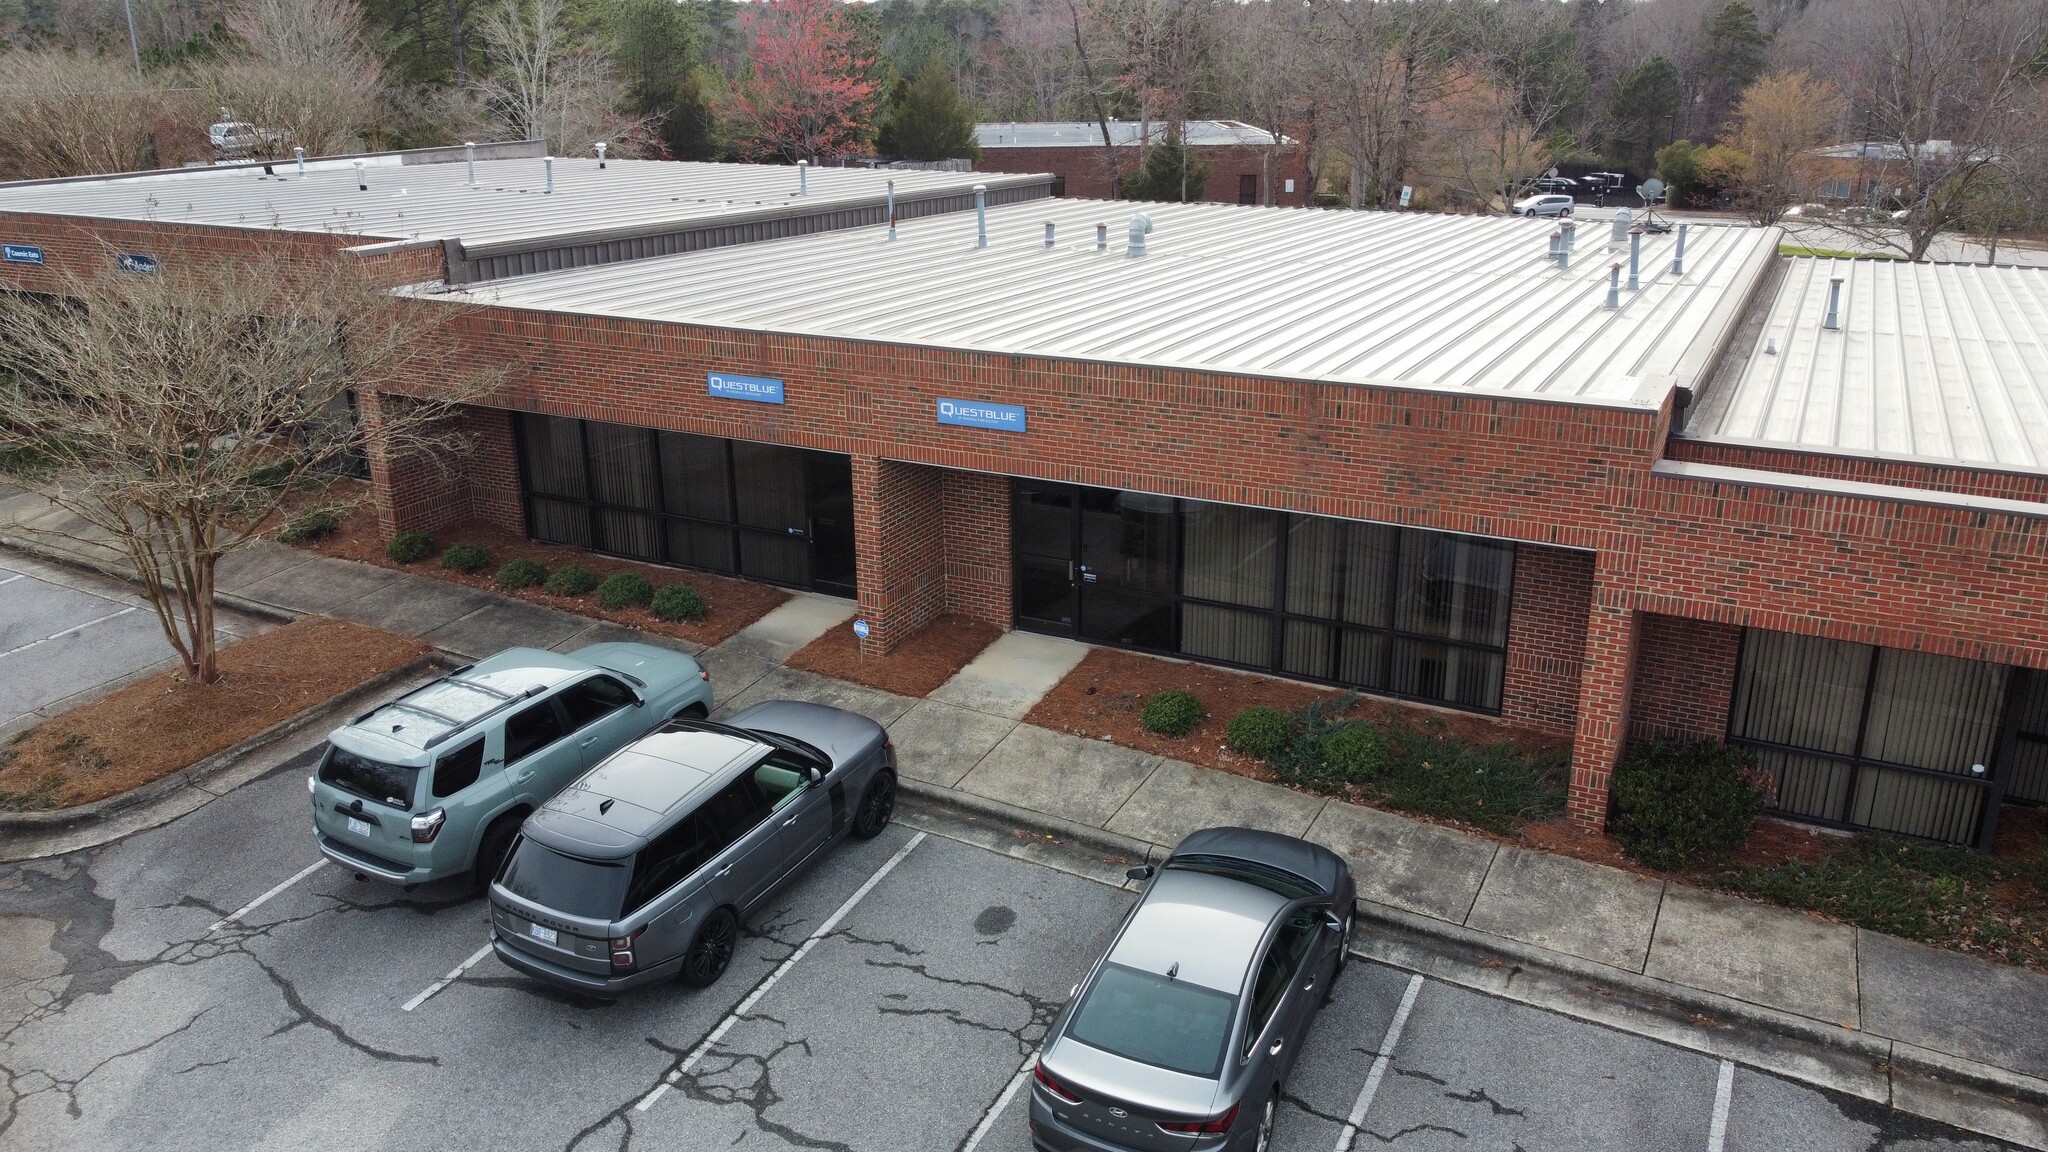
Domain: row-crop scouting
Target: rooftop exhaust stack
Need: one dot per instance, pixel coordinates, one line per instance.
(362, 185)
(469, 150)
(1678, 257)
(1635, 260)
(548, 163)
(1614, 286)
(1140, 225)
(600, 155)
(803, 177)
(892, 209)
(1102, 237)
(1623, 221)
(981, 215)
(1048, 233)
(1833, 322)
(299, 156)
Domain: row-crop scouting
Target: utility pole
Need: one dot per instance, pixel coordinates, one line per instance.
(134, 46)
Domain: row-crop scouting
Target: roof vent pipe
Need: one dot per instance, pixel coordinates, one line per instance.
(1614, 285)
(469, 150)
(1833, 322)
(1635, 260)
(548, 163)
(600, 155)
(1623, 221)
(1140, 225)
(981, 215)
(892, 209)
(803, 177)
(1102, 237)
(1048, 233)
(1678, 257)
(362, 185)
(1571, 235)
(299, 155)
(1556, 244)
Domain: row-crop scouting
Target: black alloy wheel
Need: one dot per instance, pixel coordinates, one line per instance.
(1266, 1122)
(490, 853)
(877, 804)
(711, 951)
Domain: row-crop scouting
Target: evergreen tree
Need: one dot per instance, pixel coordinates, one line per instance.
(1735, 46)
(1640, 116)
(927, 119)
(1170, 172)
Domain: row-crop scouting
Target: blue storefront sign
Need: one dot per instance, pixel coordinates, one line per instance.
(759, 389)
(982, 414)
(21, 253)
(136, 262)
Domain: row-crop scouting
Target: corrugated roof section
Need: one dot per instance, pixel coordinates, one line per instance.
(1442, 302)
(1086, 134)
(1945, 363)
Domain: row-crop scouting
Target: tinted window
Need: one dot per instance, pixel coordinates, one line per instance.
(458, 769)
(1153, 1020)
(730, 815)
(390, 784)
(1281, 962)
(565, 884)
(673, 855)
(531, 730)
(594, 699)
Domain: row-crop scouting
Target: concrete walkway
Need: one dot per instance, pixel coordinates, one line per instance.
(1931, 1031)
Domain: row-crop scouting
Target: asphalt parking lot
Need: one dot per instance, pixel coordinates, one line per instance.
(207, 985)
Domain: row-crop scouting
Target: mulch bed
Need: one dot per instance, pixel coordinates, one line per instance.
(733, 604)
(158, 726)
(923, 662)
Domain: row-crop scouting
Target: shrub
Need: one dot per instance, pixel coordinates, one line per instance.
(1260, 731)
(677, 602)
(1356, 752)
(311, 526)
(1683, 802)
(572, 581)
(410, 547)
(521, 573)
(1172, 713)
(468, 559)
(624, 590)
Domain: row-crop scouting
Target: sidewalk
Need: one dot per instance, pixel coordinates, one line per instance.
(1930, 1032)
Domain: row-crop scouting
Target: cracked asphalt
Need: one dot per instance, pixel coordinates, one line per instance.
(128, 1020)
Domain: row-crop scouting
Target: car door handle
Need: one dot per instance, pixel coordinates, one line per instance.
(721, 873)
(1277, 1046)
(788, 822)
(522, 777)
(586, 743)
(1310, 986)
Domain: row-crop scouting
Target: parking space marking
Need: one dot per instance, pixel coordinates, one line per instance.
(1379, 1065)
(68, 631)
(761, 989)
(258, 902)
(1724, 1095)
(13, 578)
(989, 1119)
(450, 978)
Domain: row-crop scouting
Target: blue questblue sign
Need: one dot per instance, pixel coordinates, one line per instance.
(22, 253)
(860, 629)
(982, 414)
(759, 389)
(136, 262)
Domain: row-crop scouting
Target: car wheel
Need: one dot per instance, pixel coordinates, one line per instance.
(711, 951)
(877, 804)
(490, 852)
(1565, 213)
(1266, 1122)
(695, 711)
(1530, 213)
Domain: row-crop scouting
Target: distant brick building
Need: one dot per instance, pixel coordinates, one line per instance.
(1247, 165)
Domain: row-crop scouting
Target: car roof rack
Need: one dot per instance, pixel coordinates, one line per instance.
(456, 726)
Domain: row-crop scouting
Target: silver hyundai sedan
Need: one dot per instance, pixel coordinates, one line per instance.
(1183, 1033)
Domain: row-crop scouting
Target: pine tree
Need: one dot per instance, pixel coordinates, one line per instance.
(1170, 172)
(927, 119)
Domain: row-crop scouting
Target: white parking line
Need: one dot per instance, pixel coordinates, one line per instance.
(13, 578)
(450, 978)
(1379, 1065)
(68, 631)
(761, 989)
(988, 1121)
(258, 902)
(1724, 1095)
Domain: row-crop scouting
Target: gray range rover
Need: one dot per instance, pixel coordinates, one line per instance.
(642, 870)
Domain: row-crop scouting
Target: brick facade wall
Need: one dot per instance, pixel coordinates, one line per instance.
(899, 514)
(1903, 473)
(978, 561)
(1685, 677)
(1547, 637)
(1087, 176)
(74, 247)
(428, 494)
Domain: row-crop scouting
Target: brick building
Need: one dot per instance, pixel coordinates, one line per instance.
(1795, 504)
(1247, 165)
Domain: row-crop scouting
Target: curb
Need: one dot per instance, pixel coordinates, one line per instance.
(1100, 839)
(213, 765)
(67, 559)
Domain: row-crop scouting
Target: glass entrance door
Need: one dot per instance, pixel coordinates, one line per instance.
(1042, 522)
(1130, 544)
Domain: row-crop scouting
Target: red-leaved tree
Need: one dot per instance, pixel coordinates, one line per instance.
(807, 90)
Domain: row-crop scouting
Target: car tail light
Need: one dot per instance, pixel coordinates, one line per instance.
(704, 676)
(1053, 1085)
(622, 950)
(1209, 1127)
(427, 825)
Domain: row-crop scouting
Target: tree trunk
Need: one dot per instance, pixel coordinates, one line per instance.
(458, 41)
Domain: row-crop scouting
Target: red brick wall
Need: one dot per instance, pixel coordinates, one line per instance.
(421, 493)
(1685, 677)
(899, 513)
(1087, 176)
(1904, 473)
(74, 247)
(978, 562)
(1547, 637)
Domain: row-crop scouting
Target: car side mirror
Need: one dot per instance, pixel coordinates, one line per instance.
(1331, 922)
(816, 775)
(1141, 872)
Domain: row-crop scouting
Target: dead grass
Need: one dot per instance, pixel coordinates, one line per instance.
(918, 665)
(160, 725)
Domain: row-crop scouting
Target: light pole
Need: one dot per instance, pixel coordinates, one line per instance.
(134, 47)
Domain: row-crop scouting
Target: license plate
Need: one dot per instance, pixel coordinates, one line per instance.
(359, 827)
(544, 935)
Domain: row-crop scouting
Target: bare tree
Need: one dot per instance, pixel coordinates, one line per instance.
(1375, 64)
(1037, 74)
(542, 83)
(1779, 121)
(1261, 65)
(176, 412)
(308, 77)
(1478, 151)
(68, 114)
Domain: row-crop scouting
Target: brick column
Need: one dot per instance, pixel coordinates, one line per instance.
(899, 548)
(1605, 680)
(978, 562)
(427, 493)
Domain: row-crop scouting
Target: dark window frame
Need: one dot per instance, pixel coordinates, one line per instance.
(562, 730)
(474, 772)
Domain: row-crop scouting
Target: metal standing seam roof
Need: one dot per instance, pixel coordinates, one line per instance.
(435, 201)
(1416, 301)
(1085, 134)
(1943, 363)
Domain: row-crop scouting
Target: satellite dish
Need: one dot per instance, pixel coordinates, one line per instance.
(1651, 190)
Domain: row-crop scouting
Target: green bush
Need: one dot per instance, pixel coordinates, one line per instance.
(1260, 731)
(311, 526)
(624, 590)
(1356, 752)
(521, 573)
(410, 547)
(1684, 802)
(468, 559)
(572, 581)
(677, 602)
(1172, 713)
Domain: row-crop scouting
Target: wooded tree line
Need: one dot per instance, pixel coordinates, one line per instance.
(1464, 100)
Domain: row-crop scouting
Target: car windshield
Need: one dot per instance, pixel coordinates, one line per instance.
(591, 889)
(390, 784)
(1153, 1020)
